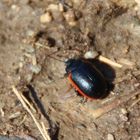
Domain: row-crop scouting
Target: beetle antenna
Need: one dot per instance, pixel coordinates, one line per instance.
(56, 58)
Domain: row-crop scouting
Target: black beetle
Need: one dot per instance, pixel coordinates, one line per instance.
(86, 78)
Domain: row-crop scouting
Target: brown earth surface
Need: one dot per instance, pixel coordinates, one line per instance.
(31, 50)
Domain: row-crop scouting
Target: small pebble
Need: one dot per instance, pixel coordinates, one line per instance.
(110, 137)
(72, 23)
(70, 17)
(91, 54)
(61, 8)
(53, 7)
(15, 115)
(123, 117)
(20, 64)
(35, 68)
(138, 2)
(30, 33)
(46, 18)
(15, 8)
(137, 85)
(124, 111)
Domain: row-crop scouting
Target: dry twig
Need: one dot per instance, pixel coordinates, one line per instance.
(26, 101)
(108, 61)
(18, 94)
(44, 129)
(134, 103)
(114, 104)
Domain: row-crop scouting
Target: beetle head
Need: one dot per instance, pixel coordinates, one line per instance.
(71, 64)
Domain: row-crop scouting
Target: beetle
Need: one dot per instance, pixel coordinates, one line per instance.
(86, 78)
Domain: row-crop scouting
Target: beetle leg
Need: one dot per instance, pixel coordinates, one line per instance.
(69, 88)
(83, 100)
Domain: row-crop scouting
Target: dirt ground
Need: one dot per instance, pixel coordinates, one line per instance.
(36, 36)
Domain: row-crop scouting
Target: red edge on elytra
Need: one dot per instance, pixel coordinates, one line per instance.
(77, 88)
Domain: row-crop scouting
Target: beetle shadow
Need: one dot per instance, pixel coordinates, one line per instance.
(54, 131)
(108, 73)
